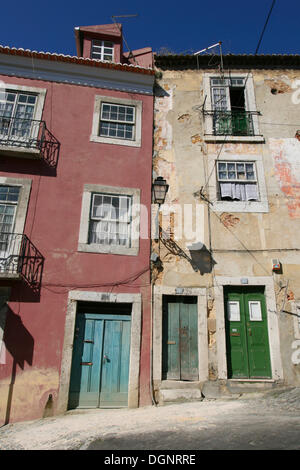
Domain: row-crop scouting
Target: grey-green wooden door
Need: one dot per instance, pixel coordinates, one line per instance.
(100, 365)
(180, 339)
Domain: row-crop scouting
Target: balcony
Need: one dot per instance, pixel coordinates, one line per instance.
(20, 259)
(28, 138)
(232, 123)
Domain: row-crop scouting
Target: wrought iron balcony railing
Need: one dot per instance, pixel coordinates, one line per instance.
(235, 123)
(17, 134)
(19, 258)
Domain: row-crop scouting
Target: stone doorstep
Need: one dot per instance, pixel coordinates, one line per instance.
(172, 391)
(180, 384)
(179, 395)
(249, 386)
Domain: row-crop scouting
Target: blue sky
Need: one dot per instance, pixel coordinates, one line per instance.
(181, 27)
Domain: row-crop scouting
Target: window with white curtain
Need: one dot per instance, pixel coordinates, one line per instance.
(110, 220)
(16, 114)
(237, 181)
(9, 196)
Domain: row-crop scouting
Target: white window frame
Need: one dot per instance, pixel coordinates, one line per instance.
(260, 205)
(137, 132)
(38, 109)
(236, 180)
(84, 245)
(126, 220)
(101, 51)
(110, 120)
(250, 105)
(21, 212)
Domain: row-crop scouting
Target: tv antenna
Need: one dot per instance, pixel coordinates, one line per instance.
(130, 55)
(211, 47)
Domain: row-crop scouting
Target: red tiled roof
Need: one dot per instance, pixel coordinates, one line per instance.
(75, 60)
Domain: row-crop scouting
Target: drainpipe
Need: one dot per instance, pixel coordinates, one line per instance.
(151, 346)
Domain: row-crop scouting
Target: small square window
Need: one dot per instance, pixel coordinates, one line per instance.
(102, 50)
(117, 121)
(237, 181)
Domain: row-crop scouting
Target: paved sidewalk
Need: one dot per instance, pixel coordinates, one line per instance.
(207, 424)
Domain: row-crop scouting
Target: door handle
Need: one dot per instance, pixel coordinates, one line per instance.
(250, 332)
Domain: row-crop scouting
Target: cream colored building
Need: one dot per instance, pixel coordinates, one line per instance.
(226, 274)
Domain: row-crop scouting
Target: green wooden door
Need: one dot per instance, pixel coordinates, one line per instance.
(247, 341)
(100, 365)
(180, 339)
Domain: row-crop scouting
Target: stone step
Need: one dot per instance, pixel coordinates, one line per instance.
(178, 384)
(250, 386)
(179, 395)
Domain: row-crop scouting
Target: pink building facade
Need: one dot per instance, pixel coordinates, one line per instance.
(76, 166)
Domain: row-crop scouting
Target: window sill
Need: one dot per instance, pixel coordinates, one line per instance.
(113, 250)
(109, 140)
(240, 206)
(232, 138)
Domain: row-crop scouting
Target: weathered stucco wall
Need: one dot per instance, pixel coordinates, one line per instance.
(241, 244)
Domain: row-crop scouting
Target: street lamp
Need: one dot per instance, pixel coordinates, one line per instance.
(160, 189)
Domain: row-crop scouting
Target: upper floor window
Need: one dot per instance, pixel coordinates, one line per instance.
(117, 121)
(102, 50)
(16, 114)
(110, 220)
(230, 109)
(237, 181)
(230, 114)
(9, 196)
(14, 197)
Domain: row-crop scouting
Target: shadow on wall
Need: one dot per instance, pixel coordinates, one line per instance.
(20, 344)
(201, 258)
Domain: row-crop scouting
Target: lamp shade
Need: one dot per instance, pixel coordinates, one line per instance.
(160, 188)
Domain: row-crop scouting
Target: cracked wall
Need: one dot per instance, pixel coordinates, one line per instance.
(242, 244)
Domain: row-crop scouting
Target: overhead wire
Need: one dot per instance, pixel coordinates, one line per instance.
(245, 248)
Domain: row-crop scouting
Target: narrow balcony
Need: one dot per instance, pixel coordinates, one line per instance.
(20, 259)
(232, 123)
(28, 138)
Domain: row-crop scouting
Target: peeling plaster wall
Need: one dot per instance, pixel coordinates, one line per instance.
(243, 244)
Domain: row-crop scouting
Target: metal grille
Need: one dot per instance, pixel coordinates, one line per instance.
(232, 123)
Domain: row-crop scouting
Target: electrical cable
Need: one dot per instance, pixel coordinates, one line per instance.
(68, 287)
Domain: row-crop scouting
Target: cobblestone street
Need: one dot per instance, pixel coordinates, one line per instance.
(269, 422)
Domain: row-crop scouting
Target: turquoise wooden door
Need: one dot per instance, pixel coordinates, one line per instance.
(180, 339)
(247, 342)
(100, 365)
